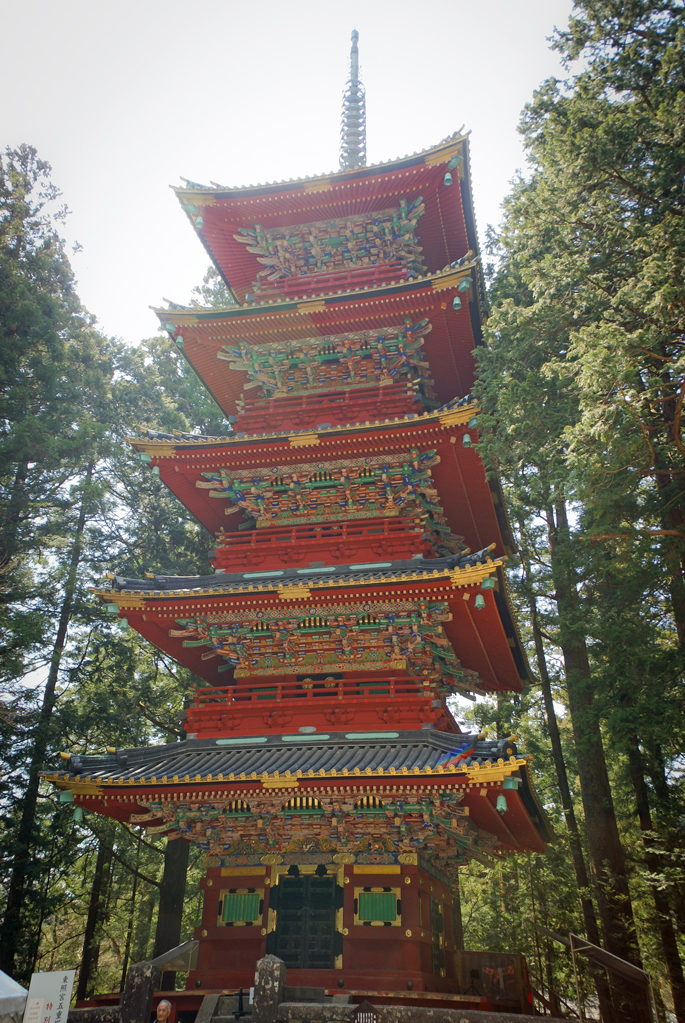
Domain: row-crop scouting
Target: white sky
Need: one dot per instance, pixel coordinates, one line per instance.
(124, 96)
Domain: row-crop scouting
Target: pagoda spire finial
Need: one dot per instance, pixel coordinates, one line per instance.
(353, 121)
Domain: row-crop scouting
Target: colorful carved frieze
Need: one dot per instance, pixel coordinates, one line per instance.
(388, 236)
(349, 640)
(329, 491)
(373, 829)
(336, 362)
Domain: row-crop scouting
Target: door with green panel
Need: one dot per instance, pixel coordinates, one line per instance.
(305, 922)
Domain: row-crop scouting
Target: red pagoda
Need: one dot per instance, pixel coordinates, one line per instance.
(358, 583)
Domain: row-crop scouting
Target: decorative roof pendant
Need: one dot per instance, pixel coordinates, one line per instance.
(353, 120)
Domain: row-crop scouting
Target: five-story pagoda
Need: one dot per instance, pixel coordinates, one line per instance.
(358, 583)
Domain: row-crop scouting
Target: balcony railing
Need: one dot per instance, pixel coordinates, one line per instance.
(376, 529)
(357, 690)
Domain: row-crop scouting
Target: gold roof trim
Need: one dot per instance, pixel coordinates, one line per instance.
(297, 592)
(434, 159)
(474, 774)
(449, 418)
(303, 440)
(448, 145)
(459, 577)
(440, 280)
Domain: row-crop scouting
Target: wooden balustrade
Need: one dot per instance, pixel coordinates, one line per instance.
(359, 689)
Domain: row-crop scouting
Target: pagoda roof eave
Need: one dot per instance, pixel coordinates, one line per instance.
(485, 641)
(447, 232)
(461, 570)
(441, 280)
(200, 769)
(201, 336)
(440, 153)
(163, 448)
(163, 444)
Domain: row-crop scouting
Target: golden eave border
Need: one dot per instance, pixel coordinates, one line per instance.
(445, 419)
(440, 280)
(470, 575)
(441, 153)
(475, 774)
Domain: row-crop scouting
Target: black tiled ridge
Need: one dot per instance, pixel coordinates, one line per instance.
(417, 567)
(415, 750)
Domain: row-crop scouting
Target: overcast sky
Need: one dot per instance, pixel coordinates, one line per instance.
(123, 97)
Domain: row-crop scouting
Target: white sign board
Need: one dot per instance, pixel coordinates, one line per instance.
(49, 997)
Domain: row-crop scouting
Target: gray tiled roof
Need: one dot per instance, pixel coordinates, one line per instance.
(416, 567)
(412, 749)
(415, 750)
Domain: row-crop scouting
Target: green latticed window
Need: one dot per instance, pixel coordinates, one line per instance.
(377, 907)
(240, 907)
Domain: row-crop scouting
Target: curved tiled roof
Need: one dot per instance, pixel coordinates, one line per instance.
(415, 750)
(414, 568)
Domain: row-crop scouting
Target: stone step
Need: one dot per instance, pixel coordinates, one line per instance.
(228, 1005)
(304, 994)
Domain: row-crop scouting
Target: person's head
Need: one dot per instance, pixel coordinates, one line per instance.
(163, 1010)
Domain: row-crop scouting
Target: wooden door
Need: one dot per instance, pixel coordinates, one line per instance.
(305, 923)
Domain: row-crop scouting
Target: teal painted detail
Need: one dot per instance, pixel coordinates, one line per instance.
(263, 575)
(376, 564)
(372, 735)
(240, 742)
(304, 738)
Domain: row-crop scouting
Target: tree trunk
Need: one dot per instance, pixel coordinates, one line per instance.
(23, 866)
(668, 818)
(171, 896)
(91, 938)
(131, 917)
(653, 862)
(15, 508)
(669, 490)
(142, 928)
(607, 858)
(575, 845)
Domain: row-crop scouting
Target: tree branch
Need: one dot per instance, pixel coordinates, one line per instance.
(147, 713)
(636, 535)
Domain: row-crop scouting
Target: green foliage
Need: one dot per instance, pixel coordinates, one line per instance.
(74, 505)
(581, 383)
